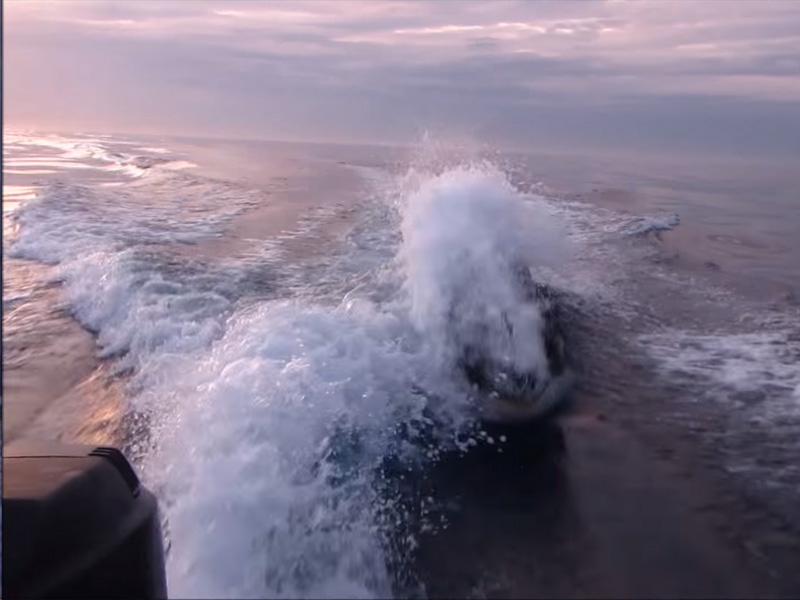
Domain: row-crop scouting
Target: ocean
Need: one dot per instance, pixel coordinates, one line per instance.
(262, 327)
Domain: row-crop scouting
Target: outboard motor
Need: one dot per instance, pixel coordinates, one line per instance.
(78, 524)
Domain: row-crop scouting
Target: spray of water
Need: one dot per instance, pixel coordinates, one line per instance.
(269, 424)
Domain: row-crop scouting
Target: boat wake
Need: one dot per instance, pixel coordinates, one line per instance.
(286, 407)
(269, 422)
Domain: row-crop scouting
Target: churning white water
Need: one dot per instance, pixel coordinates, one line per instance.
(269, 393)
(268, 421)
(269, 453)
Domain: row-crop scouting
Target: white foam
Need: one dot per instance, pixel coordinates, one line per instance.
(155, 150)
(77, 151)
(143, 310)
(89, 149)
(747, 362)
(139, 303)
(251, 509)
(251, 406)
(652, 224)
(465, 234)
(66, 221)
(271, 399)
(179, 165)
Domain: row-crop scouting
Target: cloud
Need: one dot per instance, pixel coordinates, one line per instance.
(667, 74)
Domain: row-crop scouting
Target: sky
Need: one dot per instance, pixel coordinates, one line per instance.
(672, 76)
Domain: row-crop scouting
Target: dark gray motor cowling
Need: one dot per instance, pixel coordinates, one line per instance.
(78, 524)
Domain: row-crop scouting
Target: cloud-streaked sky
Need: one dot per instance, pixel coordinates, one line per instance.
(673, 75)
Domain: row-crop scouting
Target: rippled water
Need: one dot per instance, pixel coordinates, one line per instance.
(275, 354)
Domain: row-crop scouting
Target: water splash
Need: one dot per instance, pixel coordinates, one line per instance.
(268, 422)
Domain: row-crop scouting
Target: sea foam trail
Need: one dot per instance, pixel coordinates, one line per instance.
(269, 454)
(268, 422)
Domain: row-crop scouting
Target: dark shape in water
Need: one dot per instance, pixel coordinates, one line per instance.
(511, 395)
